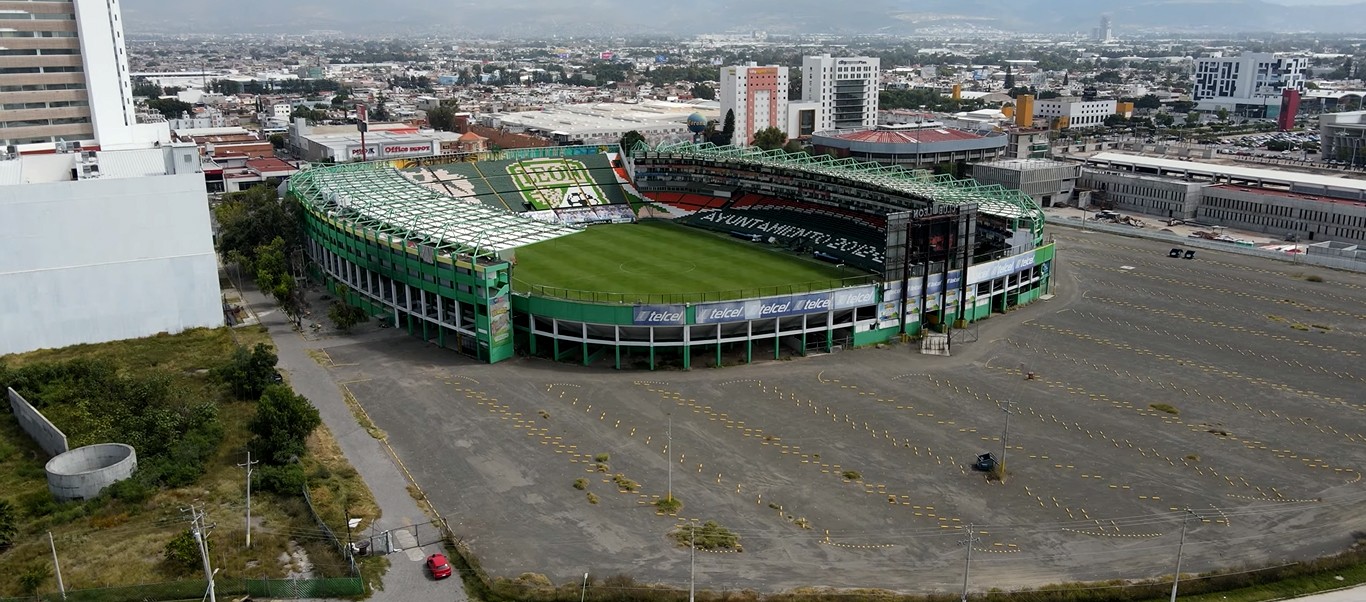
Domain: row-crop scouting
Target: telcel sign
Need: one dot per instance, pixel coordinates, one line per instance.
(660, 315)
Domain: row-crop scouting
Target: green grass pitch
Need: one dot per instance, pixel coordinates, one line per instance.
(645, 262)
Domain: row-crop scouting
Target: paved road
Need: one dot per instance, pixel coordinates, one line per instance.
(406, 579)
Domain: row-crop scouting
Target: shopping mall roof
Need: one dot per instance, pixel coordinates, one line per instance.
(1303, 182)
(376, 198)
(921, 184)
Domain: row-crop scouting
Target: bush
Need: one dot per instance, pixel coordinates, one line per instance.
(1165, 408)
(248, 373)
(182, 552)
(282, 480)
(581, 484)
(707, 536)
(668, 505)
(34, 577)
(9, 523)
(344, 316)
(283, 421)
(852, 475)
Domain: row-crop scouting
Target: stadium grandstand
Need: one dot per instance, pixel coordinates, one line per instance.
(741, 254)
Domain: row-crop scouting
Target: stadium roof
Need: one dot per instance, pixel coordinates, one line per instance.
(908, 135)
(377, 198)
(993, 200)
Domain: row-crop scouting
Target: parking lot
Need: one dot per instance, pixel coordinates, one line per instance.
(1224, 384)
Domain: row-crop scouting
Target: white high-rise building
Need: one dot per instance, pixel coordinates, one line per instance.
(64, 78)
(107, 219)
(757, 95)
(844, 90)
(1105, 32)
(1249, 85)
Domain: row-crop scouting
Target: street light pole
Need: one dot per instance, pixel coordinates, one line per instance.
(584, 592)
(670, 445)
(1176, 577)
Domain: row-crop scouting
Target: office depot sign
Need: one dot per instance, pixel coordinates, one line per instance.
(379, 151)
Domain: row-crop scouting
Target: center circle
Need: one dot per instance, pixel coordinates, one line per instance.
(647, 268)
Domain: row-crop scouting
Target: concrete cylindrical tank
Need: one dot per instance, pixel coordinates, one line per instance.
(84, 472)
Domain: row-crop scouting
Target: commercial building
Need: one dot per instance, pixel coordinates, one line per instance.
(1026, 143)
(1249, 85)
(64, 78)
(1308, 207)
(845, 88)
(1151, 195)
(1046, 181)
(925, 145)
(1283, 213)
(757, 95)
(108, 218)
(605, 122)
(1343, 137)
(342, 143)
(1072, 112)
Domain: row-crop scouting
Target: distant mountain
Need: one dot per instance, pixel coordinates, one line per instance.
(596, 17)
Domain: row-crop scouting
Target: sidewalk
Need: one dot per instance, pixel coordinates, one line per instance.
(406, 578)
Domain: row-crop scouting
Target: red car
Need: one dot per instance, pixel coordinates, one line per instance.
(439, 567)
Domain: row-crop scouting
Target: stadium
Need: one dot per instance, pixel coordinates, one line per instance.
(667, 256)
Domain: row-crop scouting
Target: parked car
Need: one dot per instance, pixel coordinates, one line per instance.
(438, 566)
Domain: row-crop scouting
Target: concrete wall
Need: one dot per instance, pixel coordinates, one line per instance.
(84, 472)
(38, 427)
(1149, 195)
(105, 259)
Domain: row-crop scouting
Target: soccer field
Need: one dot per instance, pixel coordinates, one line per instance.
(663, 262)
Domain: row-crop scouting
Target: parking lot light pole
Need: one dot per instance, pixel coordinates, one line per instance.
(583, 592)
(1005, 437)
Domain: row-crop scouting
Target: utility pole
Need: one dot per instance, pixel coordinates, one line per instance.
(248, 466)
(584, 592)
(57, 566)
(198, 528)
(967, 564)
(670, 445)
(1176, 577)
(1005, 437)
(692, 569)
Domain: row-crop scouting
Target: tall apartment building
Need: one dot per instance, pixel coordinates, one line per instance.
(109, 239)
(64, 76)
(1249, 85)
(757, 95)
(844, 90)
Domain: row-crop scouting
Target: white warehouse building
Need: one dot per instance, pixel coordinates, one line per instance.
(1077, 112)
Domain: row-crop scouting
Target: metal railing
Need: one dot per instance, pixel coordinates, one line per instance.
(610, 298)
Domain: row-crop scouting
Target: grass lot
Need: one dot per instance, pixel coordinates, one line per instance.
(664, 262)
(107, 543)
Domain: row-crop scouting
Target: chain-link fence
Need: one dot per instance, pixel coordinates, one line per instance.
(196, 589)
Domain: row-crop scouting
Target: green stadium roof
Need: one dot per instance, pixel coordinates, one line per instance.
(377, 198)
(992, 200)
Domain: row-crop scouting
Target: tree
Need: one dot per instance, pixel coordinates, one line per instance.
(273, 275)
(277, 141)
(1164, 119)
(145, 88)
(703, 92)
(770, 138)
(442, 118)
(282, 423)
(630, 139)
(9, 524)
(252, 218)
(1116, 120)
(182, 552)
(793, 146)
(345, 315)
(169, 107)
(1148, 101)
(340, 98)
(1223, 114)
(248, 372)
(1192, 118)
(728, 128)
(34, 577)
(379, 112)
